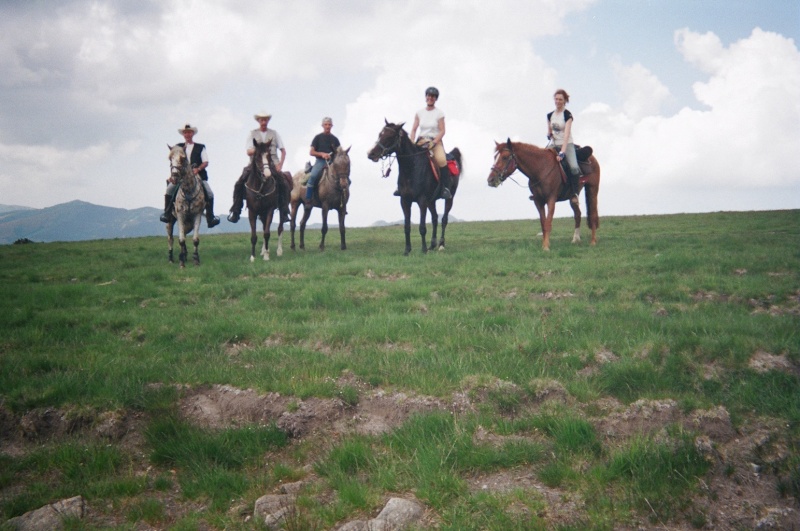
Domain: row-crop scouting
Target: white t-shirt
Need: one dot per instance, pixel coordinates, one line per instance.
(263, 136)
(558, 123)
(429, 122)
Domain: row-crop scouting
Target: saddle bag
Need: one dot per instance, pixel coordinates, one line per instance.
(452, 165)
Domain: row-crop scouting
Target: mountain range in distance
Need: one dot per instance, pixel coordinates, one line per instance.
(79, 220)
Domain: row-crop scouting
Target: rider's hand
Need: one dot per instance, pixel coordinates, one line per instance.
(561, 156)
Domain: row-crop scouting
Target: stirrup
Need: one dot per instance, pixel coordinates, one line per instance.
(233, 217)
(446, 194)
(212, 221)
(164, 218)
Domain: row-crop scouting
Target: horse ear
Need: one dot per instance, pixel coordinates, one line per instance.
(385, 120)
(169, 147)
(508, 143)
(255, 144)
(348, 149)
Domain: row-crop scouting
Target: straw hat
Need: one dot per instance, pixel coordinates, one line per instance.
(262, 114)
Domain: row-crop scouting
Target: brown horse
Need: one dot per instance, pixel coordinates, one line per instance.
(187, 209)
(333, 192)
(261, 192)
(416, 181)
(547, 185)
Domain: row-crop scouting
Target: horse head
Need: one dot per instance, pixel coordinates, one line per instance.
(388, 141)
(178, 162)
(341, 165)
(262, 158)
(504, 164)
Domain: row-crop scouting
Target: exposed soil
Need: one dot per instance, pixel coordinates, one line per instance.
(740, 491)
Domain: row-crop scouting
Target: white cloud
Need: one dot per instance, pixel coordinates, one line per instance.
(745, 136)
(92, 85)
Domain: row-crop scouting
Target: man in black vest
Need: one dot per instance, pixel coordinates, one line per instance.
(198, 159)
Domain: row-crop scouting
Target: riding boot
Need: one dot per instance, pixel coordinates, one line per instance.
(574, 184)
(444, 183)
(238, 197)
(211, 219)
(165, 217)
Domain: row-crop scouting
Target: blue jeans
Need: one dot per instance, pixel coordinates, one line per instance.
(316, 171)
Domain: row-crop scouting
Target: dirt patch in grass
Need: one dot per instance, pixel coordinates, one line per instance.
(740, 490)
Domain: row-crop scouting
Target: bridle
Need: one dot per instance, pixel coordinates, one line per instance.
(264, 179)
(392, 148)
(509, 168)
(175, 170)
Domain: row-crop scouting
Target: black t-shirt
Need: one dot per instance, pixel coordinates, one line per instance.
(323, 143)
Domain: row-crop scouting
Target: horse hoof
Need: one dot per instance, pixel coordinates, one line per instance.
(252, 259)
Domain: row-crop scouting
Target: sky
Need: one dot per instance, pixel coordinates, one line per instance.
(689, 105)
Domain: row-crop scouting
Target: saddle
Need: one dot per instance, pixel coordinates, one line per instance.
(452, 166)
(582, 153)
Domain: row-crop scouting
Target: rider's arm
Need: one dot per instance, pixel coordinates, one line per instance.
(413, 134)
(439, 137)
(319, 154)
(279, 166)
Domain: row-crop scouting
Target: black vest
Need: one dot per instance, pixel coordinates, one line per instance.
(196, 159)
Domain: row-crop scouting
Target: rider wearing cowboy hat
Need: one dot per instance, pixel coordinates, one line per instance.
(262, 134)
(198, 159)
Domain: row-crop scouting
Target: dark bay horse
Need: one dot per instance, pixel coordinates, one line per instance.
(333, 192)
(187, 209)
(541, 166)
(416, 181)
(261, 192)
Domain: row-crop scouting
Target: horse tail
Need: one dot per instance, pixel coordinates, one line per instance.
(592, 187)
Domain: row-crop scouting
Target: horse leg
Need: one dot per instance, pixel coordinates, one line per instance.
(342, 213)
(292, 223)
(324, 226)
(448, 204)
(406, 204)
(196, 239)
(423, 228)
(306, 215)
(576, 210)
(253, 236)
(434, 224)
(548, 224)
(170, 240)
(279, 252)
(182, 241)
(591, 211)
(267, 223)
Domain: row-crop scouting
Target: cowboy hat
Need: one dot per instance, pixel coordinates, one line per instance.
(187, 127)
(262, 114)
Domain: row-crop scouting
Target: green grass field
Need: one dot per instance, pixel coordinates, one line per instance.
(586, 370)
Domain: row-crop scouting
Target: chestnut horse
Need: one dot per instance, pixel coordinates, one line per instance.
(547, 186)
(416, 181)
(187, 209)
(333, 192)
(261, 192)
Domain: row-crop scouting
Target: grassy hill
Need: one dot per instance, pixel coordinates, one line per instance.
(652, 381)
